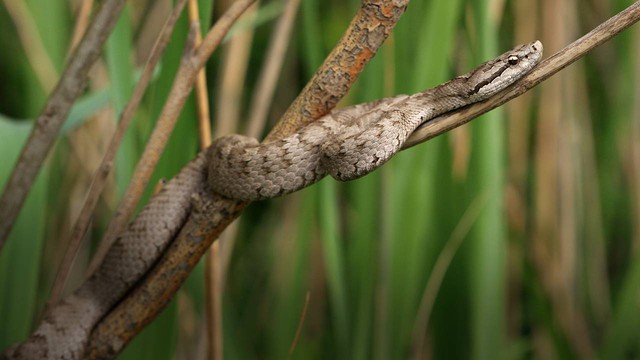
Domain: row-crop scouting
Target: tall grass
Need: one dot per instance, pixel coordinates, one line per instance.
(548, 188)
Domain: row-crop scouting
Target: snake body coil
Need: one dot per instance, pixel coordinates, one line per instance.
(346, 144)
(352, 142)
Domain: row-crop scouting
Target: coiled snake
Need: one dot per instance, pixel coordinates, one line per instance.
(345, 144)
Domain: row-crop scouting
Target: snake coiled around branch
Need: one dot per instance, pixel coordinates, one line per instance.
(345, 144)
(350, 143)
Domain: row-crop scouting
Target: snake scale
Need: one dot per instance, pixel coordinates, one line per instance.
(345, 144)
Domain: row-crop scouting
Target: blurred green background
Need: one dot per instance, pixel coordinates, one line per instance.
(515, 236)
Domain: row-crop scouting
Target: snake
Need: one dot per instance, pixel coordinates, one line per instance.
(351, 143)
(346, 144)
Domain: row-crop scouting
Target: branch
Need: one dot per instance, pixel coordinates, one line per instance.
(55, 111)
(137, 310)
(544, 70)
(366, 33)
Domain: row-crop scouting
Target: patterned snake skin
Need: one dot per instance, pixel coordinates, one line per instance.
(345, 144)
(350, 143)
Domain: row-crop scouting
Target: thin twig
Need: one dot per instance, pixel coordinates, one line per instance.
(146, 301)
(303, 316)
(55, 111)
(82, 22)
(100, 177)
(212, 296)
(544, 70)
(233, 71)
(193, 60)
(266, 85)
(202, 95)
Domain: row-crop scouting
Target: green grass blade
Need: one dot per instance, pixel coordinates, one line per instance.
(119, 57)
(333, 254)
(20, 258)
(413, 219)
(488, 259)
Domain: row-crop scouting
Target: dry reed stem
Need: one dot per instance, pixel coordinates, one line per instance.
(212, 296)
(303, 315)
(270, 73)
(82, 22)
(233, 71)
(202, 95)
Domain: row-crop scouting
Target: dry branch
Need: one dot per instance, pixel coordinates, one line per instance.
(366, 33)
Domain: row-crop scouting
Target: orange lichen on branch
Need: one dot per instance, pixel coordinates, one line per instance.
(211, 215)
(367, 31)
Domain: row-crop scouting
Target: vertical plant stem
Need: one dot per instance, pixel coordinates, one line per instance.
(213, 294)
(270, 72)
(202, 95)
(235, 60)
(488, 262)
(82, 22)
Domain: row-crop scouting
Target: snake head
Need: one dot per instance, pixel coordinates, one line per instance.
(497, 74)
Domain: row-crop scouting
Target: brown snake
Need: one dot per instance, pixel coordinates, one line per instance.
(345, 144)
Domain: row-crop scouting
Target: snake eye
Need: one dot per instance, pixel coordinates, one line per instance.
(513, 60)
